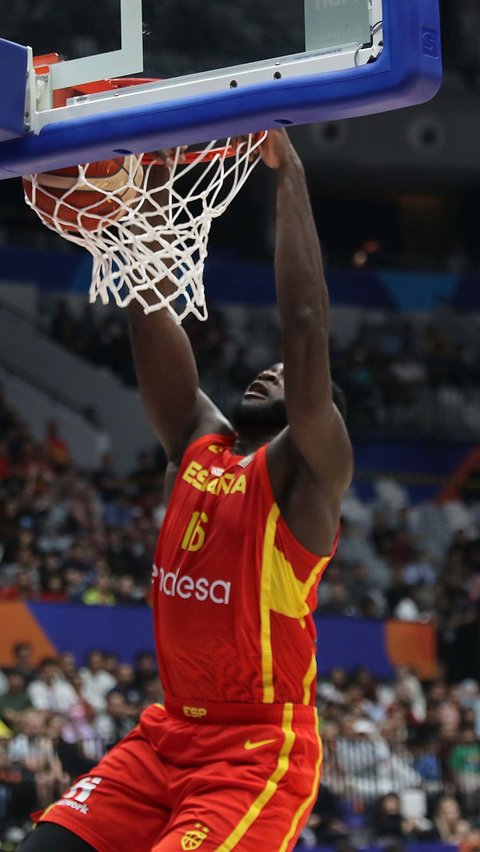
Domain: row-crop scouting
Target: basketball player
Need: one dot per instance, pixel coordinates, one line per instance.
(233, 759)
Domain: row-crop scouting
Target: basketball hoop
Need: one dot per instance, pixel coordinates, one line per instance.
(153, 247)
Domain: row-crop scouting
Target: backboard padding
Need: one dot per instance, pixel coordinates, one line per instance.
(400, 68)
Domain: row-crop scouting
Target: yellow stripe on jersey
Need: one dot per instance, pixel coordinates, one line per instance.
(270, 787)
(47, 811)
(308, 679)
(281, 592)
(266, 604)
(307, 803)
(289, 594)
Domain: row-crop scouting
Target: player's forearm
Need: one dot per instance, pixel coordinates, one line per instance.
(303, 309)
(301, 290)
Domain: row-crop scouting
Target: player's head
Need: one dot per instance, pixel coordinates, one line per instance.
(262, 408)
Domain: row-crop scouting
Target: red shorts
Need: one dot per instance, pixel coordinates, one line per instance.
(211, 777)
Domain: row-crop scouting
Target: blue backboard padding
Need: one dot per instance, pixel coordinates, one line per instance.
(408, 72)
(13, 77)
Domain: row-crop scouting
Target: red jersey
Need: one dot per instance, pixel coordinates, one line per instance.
(233, 590)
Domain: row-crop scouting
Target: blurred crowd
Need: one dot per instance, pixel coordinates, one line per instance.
(399, 376)
(57, 719)
(401, 758)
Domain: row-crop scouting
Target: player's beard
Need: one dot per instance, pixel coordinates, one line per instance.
(253, 417)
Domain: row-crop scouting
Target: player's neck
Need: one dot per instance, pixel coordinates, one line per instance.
(250, 442)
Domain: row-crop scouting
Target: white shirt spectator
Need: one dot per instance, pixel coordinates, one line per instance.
(96, 686)
(57, 696)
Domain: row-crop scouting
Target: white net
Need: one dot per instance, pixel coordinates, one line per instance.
(149, 235)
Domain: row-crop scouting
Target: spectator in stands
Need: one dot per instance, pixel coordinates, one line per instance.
(125, 684)
(470, 700)
(449, 825)
(126, 592)
(116, 721)
(338, 601)
(58, 451)
(145, 667)
(325, 820)
(372, 766)
(428, 766)
(22, 587)
(388, 824)
(399, 593)
(107, 479)
(23, 660)
(119, 513)
(97, 682)
(152, 692)
(408, 377)
(100, 592)
(68, 665)
(17, 794)
(53, 589)
(32, 754)
(335, 687)
(49, 691)
(464, 764)
(15, 700)
(34, 462)
(76, 741)
(110, 663)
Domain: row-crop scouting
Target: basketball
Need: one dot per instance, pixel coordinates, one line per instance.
(86, 198)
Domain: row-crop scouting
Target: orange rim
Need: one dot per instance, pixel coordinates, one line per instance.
(192, 156)
(205, 156)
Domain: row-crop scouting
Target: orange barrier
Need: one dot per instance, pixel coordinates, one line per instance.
(17, 624)
(413, 645)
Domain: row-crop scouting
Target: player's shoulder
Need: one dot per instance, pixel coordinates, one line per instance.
(210, 444)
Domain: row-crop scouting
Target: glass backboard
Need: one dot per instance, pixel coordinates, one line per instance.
(219, 69)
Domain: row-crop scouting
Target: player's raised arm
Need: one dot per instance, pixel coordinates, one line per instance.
(168, 378)
(316, 428)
